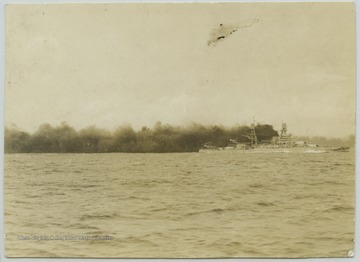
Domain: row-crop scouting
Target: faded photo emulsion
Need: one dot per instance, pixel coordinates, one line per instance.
(180, 130)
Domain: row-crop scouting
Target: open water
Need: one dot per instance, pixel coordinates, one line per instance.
(221, 204)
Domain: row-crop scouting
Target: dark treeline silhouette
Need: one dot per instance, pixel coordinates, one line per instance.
(159, 139)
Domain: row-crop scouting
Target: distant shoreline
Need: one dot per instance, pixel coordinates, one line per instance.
(162, 138)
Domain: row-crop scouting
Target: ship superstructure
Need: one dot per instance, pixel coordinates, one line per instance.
(281, 143)
(284, 140)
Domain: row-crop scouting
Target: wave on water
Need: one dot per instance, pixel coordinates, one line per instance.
(98, 216)
(183, 205)
(340, 209)
(315, 151)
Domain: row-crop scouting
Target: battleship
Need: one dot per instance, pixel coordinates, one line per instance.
(278, 144)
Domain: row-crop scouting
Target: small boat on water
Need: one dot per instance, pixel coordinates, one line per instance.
(340, 149)
(209, 147)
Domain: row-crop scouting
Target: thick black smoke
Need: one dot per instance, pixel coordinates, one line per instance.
(159, 139)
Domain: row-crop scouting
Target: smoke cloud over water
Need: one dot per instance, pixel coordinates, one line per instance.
(160, 138)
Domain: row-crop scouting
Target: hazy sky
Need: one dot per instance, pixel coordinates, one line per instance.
(111, 64)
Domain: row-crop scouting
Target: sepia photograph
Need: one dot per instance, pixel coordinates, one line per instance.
(180, 130)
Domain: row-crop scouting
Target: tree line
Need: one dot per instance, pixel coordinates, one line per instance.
(161, 138)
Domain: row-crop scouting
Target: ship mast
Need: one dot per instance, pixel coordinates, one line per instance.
(285, 139)
(283, 130)
(253, 136)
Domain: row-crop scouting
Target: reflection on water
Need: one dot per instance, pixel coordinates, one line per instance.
(180, 205)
